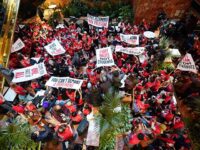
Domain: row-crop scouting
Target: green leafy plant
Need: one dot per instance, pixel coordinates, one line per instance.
(16, 137)
(126, 13)
(112, 122)
(164, 43)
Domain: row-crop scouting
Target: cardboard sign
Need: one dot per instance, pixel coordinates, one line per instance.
(187, 64)
(61, 26)
(104, 57)
(98, 21)
(18, 45)
(130, 39)
(10, 95)
(21, 26)
(149, 34)
(29, 73)
(175, 52)
(55, 48)
(64, 82)
(129, 50)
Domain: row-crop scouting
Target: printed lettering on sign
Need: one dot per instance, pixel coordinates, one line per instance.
(19, 74)
(29, 73)
(98, 21)
(104, 57)
(64, 82)
(187, 64)
(55, 48)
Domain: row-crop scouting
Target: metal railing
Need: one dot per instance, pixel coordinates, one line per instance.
(7, 33)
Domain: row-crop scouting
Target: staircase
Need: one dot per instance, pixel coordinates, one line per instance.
(8, 10)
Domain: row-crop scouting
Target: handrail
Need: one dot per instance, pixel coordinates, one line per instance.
(7, 34)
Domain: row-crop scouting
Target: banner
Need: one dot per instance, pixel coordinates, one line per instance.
(55, 48)
(187, 64)
(104, 57)
(130, 50)
(130, 39)
(98, 21)
(29, 73)
(64, 82)
(18, 45)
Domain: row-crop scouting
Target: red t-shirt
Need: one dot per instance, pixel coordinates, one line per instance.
(134, 139)
(66, 134)
(20, 90)
(18, 109)
(1, 101)
(77, 118)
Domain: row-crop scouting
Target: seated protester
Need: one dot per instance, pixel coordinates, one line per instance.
(19, 90)
(86, 110)
(44, 135)
(70, 106)
(64, 132)
(18, 108)
(76, 117)
(33, 117)
(56, 112)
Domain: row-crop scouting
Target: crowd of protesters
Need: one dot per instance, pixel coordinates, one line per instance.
(156, 124)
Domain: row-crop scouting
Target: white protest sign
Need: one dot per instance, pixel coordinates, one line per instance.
(18, 45)
(29, 73)
(143, 58)
(10, 95)
(129, 50)
(60, 26)
(149, 34)
(187, 64)
(36, 59)
(98, 21)
(104, 57)
(64, 82)
(55, 48)
(175, 52)
(130, 39)
(21, 26)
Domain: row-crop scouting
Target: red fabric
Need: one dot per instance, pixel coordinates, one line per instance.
(168, 140)
(86, 111)
(169, 116)
(71, 108)
(1, 101)
(134, 139)
(148, 85)
(178, 125)
(20, 90)
(71, 95)
(77, 118)
(18, 109)
(31, 107)
(167, 99)
(66, 134)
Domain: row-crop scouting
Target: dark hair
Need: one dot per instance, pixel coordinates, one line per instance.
(33, 136)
